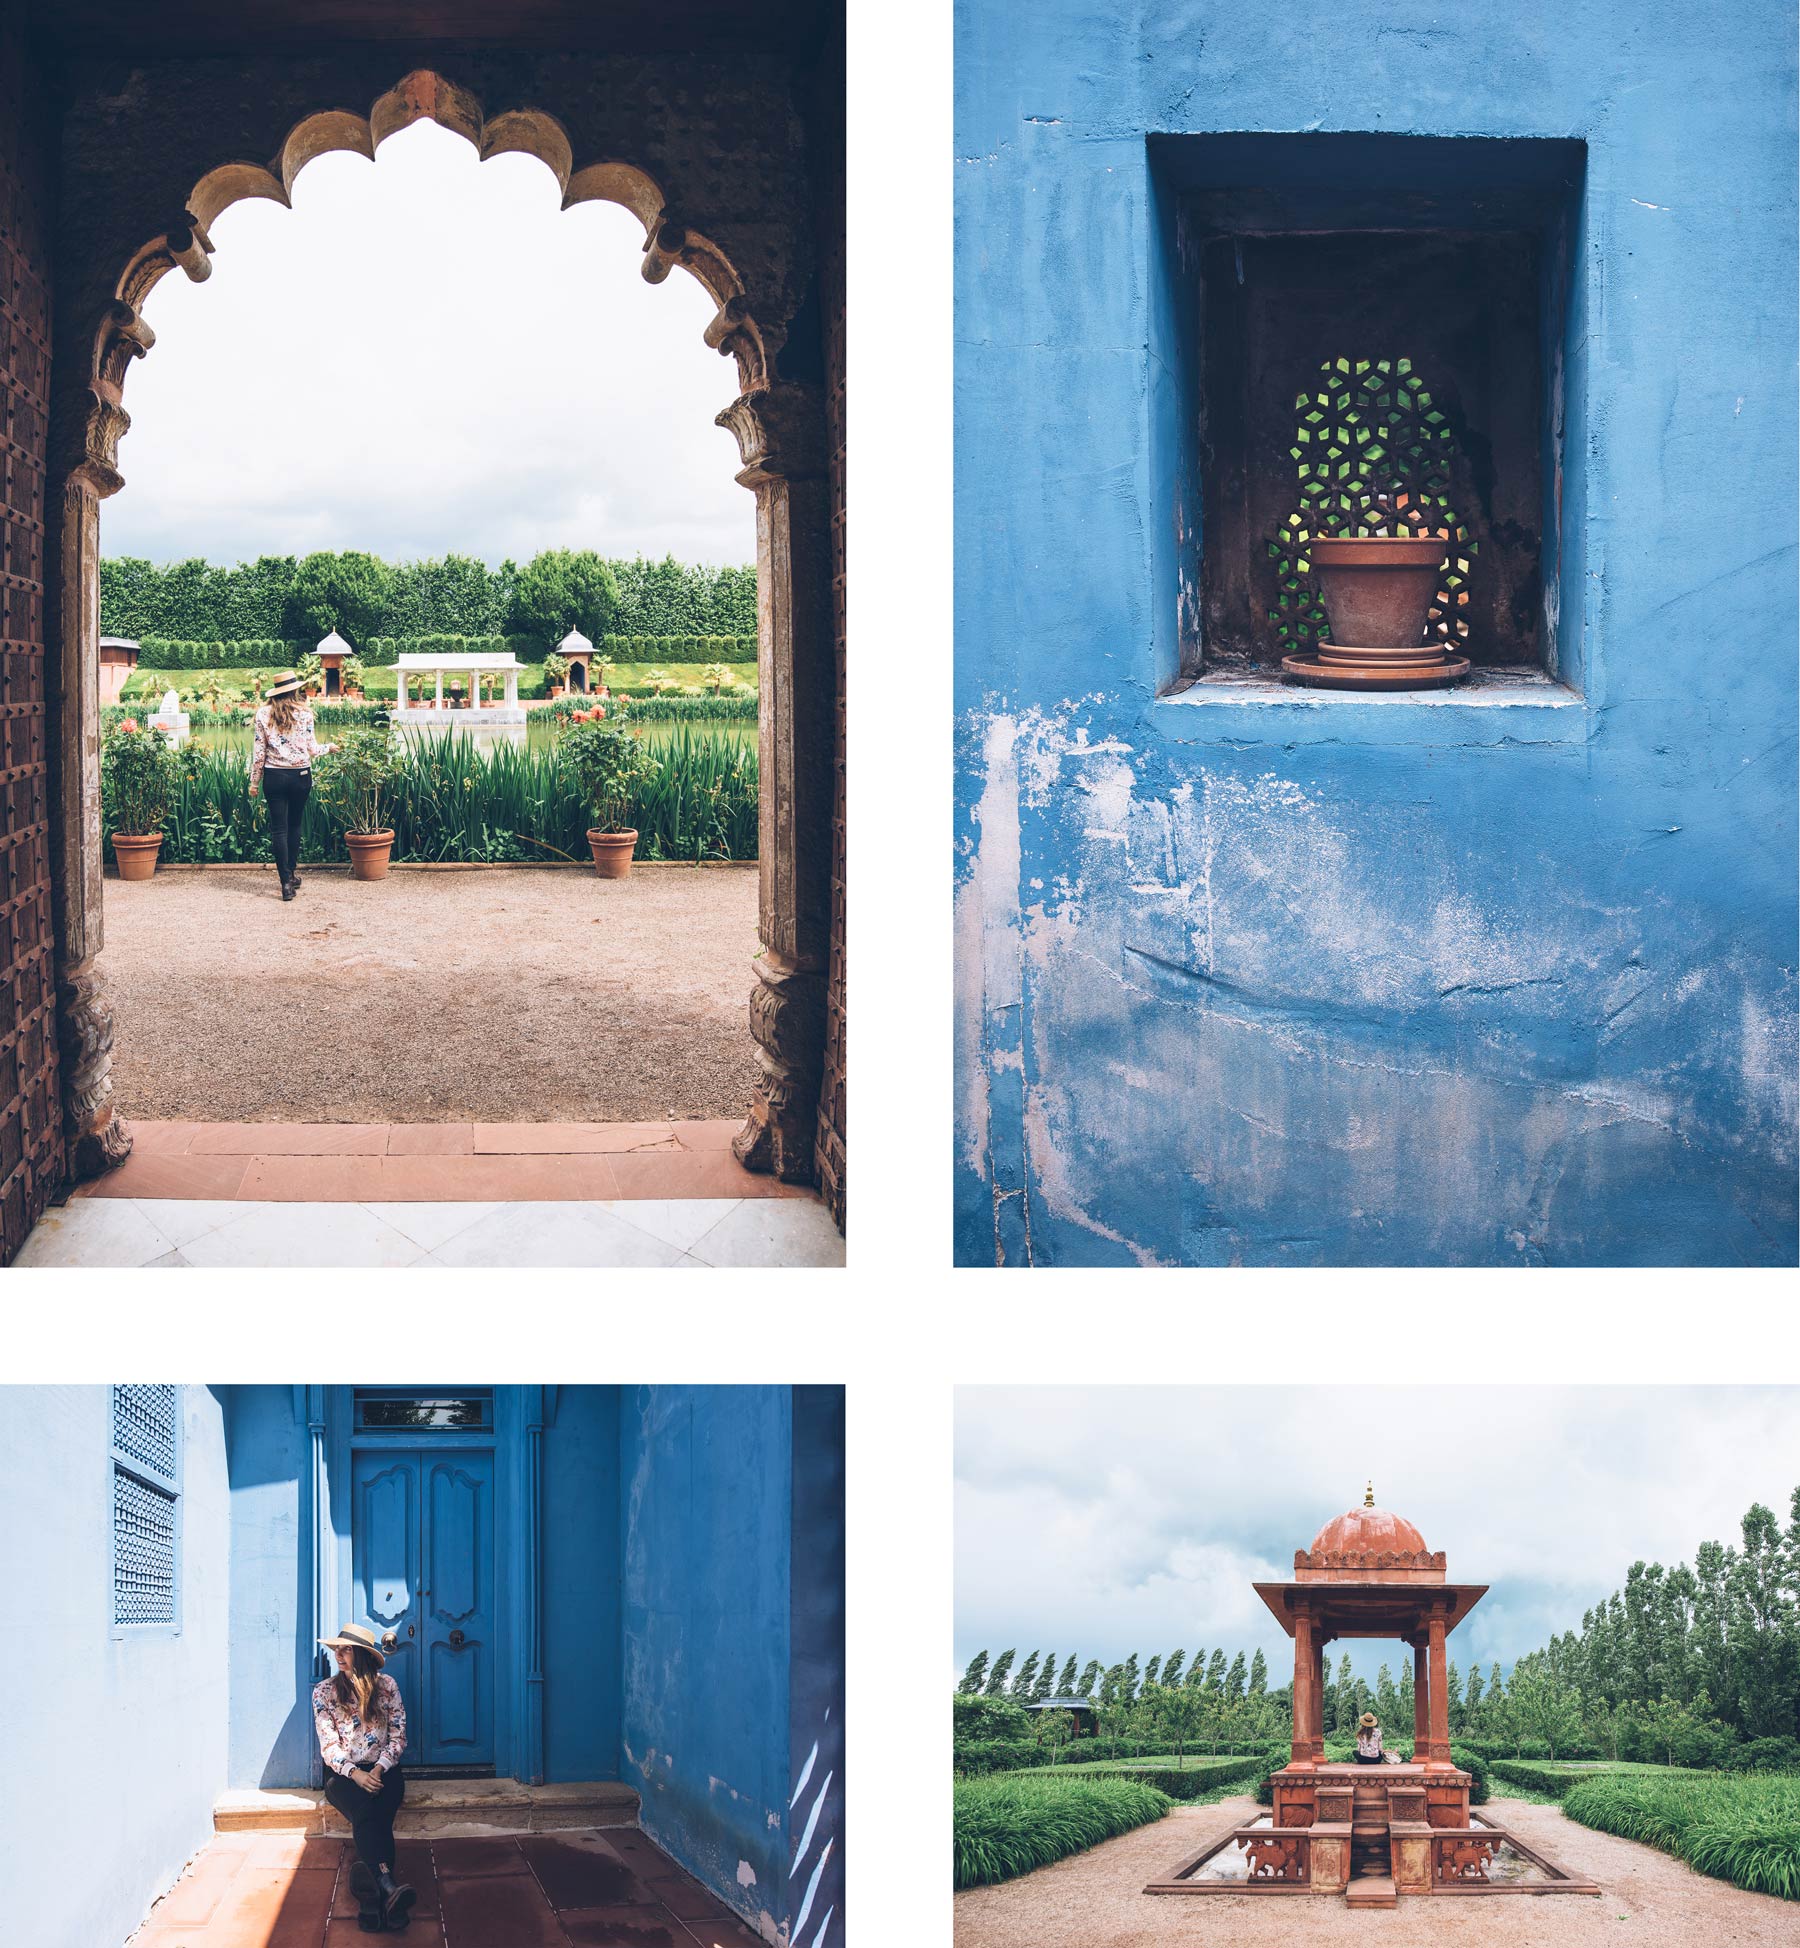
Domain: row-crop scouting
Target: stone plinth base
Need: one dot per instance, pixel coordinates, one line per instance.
(439, 1808)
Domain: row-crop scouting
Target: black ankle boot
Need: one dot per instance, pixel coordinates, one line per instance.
(396, 1901)
(287, 889)
(371, 1914)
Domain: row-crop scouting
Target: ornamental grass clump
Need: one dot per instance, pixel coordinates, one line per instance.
(139, 776)
(1007, 1825)
(610, 765)
(1744, 1828)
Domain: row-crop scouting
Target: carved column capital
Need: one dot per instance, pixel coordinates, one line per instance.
(781, 433)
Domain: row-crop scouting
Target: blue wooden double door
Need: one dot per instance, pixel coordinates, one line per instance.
(423, 1557)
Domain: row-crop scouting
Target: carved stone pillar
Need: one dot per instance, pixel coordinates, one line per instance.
(1440, 1696)
(87, 426)
(96, 1138)
(1320, 1640)
(1305, 1673)
(781, 435)
(1421, 1700)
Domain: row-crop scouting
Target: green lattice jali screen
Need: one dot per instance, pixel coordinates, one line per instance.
(1374, 456)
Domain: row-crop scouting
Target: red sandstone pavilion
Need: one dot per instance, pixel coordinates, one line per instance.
(1370, 1833)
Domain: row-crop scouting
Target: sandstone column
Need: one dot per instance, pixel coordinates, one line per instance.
(781, 435)
(1305, 1671)
(1421, 1700)
(1440, 1694)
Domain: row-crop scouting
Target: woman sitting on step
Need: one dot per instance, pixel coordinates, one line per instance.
(1368, 1740)
(362, 1734)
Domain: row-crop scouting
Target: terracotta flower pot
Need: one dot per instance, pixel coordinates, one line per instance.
(136, 852)
(369, 853)
(1377, 589)
(612, 853)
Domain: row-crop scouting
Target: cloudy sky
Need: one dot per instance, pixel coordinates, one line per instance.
(427, 353)
(1110, 1519)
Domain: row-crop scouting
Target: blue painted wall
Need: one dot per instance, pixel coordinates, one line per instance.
(705, 1479)
(117, 1744)
(581, 1587)
(1323, 980)
(692, 1633)
(271, 1607)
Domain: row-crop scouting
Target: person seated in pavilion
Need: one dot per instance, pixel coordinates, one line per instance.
(1368, 1740)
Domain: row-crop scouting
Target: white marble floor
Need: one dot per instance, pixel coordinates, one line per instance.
(727, 1231)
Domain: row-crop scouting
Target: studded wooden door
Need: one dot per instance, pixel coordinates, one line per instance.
(31, 1146)
(422, 1568)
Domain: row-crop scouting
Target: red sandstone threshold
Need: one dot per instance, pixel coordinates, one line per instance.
(385, 1163)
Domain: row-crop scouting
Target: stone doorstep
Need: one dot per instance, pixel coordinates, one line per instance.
(441, 1809)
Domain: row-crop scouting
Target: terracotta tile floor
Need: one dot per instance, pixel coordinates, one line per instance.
(386, 1163)
(584, 1889)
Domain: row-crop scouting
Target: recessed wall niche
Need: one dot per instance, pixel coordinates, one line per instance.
(1366, 333)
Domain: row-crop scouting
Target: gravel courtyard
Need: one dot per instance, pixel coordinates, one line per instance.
(1094, 1900)
(495, 995)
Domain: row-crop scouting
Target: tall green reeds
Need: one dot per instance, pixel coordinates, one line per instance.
(454, 802)
(1009, 1824)
(1741, 1827)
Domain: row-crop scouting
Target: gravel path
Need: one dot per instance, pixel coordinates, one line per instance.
(493, 996)
(1093, 1900)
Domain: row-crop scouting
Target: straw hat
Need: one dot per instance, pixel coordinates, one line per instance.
(356, 1636)
(1367, 1721)
(287, 684)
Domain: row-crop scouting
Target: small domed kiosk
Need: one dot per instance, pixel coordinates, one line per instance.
(331, 654)
(1370, 1833)
(578, 653)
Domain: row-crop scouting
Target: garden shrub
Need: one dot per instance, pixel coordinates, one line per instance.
(1765, 1755)
(974, 1717)
(139, 777)
(1005, 1827)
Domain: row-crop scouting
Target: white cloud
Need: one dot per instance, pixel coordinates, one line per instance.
(1108, 1519)
(427, 353)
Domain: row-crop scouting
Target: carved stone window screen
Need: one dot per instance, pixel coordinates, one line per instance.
(1373, 453)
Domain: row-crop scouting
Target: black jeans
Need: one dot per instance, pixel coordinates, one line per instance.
(371, 1814)
(287, 793)
(1365, 1759)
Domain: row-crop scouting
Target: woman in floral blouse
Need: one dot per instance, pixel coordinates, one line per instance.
(281, 762)
(362, 1735)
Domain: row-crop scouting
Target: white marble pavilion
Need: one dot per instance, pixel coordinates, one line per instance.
(425, 698)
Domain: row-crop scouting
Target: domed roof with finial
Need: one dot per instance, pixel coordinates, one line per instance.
(1371, 1543)
(575, 642)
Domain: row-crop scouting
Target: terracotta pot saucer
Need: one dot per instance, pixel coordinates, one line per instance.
(1353, 676)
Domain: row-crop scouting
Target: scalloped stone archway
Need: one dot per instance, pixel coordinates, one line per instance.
(756, 268)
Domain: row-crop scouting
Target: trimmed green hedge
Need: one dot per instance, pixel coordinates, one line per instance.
(382, 652)
(1343, 1751)
(1005, 1827)
(974, 1757)
(282, 596)
(1192, 1779)
(1740, 1827)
